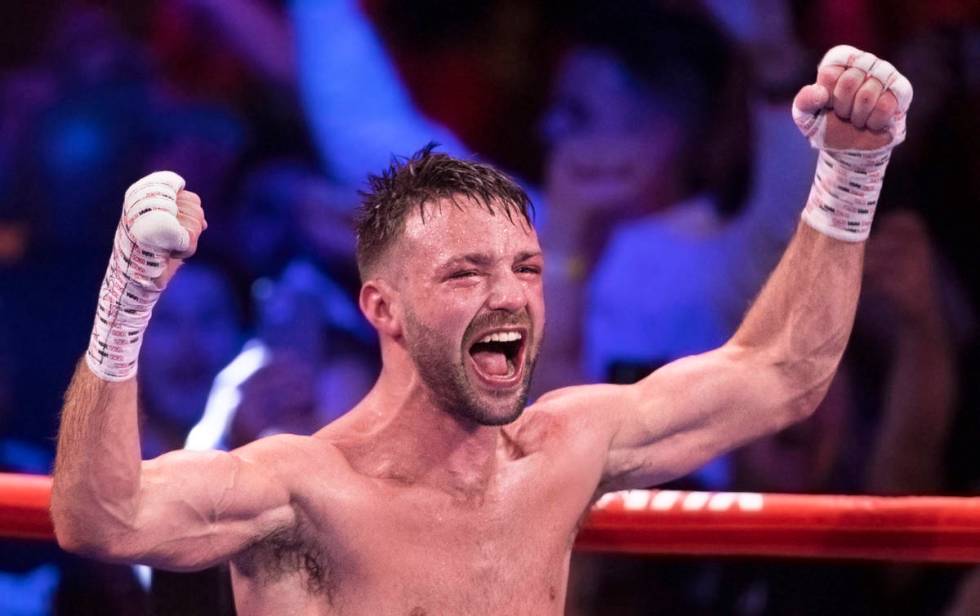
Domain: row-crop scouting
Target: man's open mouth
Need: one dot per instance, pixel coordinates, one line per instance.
(498, 356)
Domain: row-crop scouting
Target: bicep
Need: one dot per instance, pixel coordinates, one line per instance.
(200, 508)
(692, 410)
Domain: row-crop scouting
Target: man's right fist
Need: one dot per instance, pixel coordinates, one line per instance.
(163, 218)
(859, 102)
(190, 215)
(160, 225)
(158, 214)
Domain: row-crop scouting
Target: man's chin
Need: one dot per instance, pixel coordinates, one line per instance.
(498, 409)
(498, 419)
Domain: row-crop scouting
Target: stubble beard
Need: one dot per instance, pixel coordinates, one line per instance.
(450, 386)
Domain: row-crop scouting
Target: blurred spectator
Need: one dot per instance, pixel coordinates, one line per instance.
(214, 48)
(266, 232)
(89, 48)
(37, 579)
(251, 35)
(814, 456)
(882, 429)
(313, 359)
(906, 305)
(287, 209)
(23, 93)
(939, 163)
(648, 169)
(76, 116)
(663, 119)
(665, 189)
(289, 395)
(68, 170)
(902, 360)
(196, 330)
(86, 135)
(238, 53)
(325, 216)
(204, 143)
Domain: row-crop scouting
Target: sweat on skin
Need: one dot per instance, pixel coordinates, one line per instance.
(468, 316)
(435, 493)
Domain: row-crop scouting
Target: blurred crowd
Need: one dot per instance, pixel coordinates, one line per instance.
(656, 142)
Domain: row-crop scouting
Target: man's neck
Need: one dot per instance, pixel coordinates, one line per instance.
(419, 442)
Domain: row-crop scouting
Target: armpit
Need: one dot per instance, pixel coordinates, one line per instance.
(289, 552)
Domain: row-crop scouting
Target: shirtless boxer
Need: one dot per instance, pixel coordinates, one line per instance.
(436, 494)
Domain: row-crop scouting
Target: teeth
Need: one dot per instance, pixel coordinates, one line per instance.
(502, 337)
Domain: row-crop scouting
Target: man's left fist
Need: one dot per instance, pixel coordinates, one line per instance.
(859, 102)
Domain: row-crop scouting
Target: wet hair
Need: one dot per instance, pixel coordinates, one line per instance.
(411, 183)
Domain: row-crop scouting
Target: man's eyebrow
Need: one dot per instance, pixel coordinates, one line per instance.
(527, 254)
(474, 258)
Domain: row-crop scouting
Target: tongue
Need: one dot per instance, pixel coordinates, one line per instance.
(491, 362)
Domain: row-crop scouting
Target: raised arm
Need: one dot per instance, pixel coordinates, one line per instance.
(259, 33)
(182, 510)
(358, 109)
(778, 365)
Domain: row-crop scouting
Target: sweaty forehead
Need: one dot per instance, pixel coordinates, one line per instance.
(444, 229)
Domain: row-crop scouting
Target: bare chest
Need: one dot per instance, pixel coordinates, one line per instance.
(464, 562)
(391, 550)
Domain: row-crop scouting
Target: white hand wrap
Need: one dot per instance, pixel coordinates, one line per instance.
(847, 183)
(147, 234)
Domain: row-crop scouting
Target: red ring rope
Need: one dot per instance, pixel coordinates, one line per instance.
(911, 528)
(915, 528)
(24, 504)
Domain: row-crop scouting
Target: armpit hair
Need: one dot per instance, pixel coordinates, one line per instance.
(289, 551)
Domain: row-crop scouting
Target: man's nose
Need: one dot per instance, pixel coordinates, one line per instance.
(508, 293)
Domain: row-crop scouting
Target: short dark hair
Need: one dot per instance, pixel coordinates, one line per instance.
(410, 183)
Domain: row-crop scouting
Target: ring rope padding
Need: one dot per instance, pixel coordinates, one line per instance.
(938, 529)
(24, 504)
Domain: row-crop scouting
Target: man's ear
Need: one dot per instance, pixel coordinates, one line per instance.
(378, 302)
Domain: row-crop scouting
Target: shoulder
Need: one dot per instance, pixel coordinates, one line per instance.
(313, 470)
(581, 415)
(289, 456)
(572, 430)
(275, 448)
(582, 401)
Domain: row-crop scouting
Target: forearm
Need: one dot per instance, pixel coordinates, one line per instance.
(800, 323)
(97, 469)
(919, 402)
(182, 510)
(359, 111)
(774, 371)
(780, 362)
